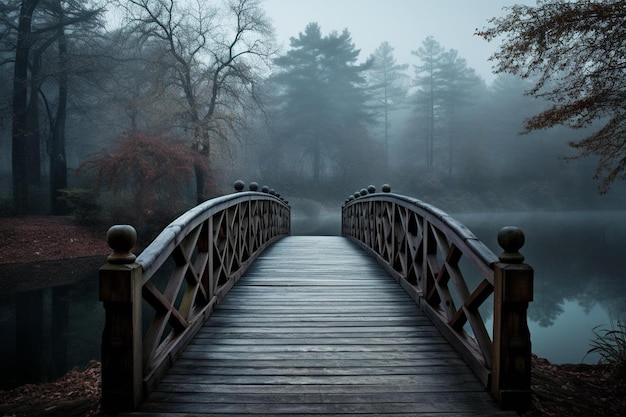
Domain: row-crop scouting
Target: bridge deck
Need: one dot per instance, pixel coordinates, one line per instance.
(316, 327)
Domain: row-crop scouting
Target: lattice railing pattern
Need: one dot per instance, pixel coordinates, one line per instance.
(180, 277)
(432, 255)
(211, 254)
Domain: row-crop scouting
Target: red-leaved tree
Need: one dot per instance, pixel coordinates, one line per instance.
(147, 178)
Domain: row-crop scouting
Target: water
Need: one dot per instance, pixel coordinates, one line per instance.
(578, 257)
(580, 269)
(80, 331)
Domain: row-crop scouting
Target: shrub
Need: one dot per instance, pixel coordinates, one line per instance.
(84, 205)
(144, 178)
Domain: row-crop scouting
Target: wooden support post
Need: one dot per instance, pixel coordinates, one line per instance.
(513, 290)
(120, 293)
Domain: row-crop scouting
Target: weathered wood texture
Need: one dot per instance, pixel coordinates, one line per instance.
(175, 283)
(317, 327)
(455, 279)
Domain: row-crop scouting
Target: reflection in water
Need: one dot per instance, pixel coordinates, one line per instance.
(68, 326)
(578, 259)
(579, 265)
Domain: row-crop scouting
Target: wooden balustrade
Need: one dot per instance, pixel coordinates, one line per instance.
(435, 258)
(156, 302)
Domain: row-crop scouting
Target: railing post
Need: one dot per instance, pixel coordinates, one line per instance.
(513, 290)
(120, 293)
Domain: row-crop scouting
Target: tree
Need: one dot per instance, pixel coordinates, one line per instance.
(577, 51)
(388, 93)
(72, 17)
(461, 87)
(444, 82)
(212, 57)
(145, 174)
(429, 84)
(40, 25)
(322, 110)
(20, 128)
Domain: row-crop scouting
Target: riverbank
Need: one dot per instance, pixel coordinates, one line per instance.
(576, 390)
(558, 390)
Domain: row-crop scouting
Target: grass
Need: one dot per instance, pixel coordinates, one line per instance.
(610, 345)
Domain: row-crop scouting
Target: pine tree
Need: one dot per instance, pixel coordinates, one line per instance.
(444, 83)
(388, 93)
(322, 98)
(428, 80)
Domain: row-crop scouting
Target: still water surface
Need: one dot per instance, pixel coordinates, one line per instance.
(579, 260)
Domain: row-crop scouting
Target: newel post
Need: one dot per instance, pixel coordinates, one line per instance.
(120, 293)
(513, 290)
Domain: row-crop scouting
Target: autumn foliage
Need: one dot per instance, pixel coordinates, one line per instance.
(144, 178)
(575, 51)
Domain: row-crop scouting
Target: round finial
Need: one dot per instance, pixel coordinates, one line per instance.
(371, 189)
(386, 188)
(121, 238)
(272, 191)
(350, 198)
(239, 185)
(363, 191)
(265, 189)
(253, 186)
(511, 239)
(357, 194)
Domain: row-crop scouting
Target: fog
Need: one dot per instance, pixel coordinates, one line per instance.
(297, 101)
(402, 23)
(467, 155)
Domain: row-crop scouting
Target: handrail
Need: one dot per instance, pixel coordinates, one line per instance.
(180, 277)
(431, 255)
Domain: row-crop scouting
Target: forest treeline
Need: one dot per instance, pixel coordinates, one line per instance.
(140, 109)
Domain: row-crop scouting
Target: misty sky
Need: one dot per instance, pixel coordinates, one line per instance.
(402, 23)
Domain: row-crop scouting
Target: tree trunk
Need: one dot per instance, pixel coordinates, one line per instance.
(58, 163)
(317, 162)
(431, 125)
(34, 139)
(20, 127)
(200, 184)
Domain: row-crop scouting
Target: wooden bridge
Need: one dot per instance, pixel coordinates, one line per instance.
(315, 326)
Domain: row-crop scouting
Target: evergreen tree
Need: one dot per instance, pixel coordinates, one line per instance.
(461, 86)
(323, 102)
(444, 83)
(429, 85)
(388, 93)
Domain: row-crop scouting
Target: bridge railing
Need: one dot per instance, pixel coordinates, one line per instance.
(451, 274)
(177, 280)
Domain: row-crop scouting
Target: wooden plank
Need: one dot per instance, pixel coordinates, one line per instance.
(316, 327)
